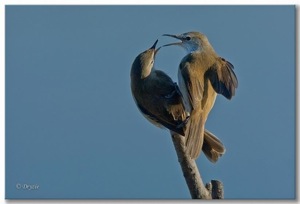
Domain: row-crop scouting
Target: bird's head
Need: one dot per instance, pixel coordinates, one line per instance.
(191, 41)
(144, 62)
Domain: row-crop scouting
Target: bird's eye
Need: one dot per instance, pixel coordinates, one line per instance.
(188, 38)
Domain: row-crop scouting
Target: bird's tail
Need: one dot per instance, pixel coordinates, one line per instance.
(212, 147)
(194, 134)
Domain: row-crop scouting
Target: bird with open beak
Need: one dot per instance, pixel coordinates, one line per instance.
(156, 95)
(202, 74)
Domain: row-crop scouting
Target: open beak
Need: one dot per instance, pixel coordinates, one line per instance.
(173, 36)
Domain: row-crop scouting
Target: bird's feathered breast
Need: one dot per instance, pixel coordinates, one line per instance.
(192, 69)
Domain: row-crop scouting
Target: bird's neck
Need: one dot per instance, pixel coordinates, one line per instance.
(204, 58)
(205, 47)
(193, 48)
(146, 72)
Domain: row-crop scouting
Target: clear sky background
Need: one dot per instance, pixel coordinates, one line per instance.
(72, 126)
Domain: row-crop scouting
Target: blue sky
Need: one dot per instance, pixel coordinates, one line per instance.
(72, 126)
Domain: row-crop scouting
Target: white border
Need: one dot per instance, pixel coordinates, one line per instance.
(106, 2)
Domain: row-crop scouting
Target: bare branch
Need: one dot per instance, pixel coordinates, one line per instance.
(217, 189)
(192, 175)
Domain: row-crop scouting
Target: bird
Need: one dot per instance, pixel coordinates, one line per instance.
(160, 100)
(156, 95)
(202, 74)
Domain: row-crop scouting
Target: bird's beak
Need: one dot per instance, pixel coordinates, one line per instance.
(173, 36)
(154, 45)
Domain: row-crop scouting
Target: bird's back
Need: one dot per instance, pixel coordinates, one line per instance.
(160, 101)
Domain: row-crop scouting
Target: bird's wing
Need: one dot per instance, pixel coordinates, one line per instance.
(161, 83)
(191, 86)
(162, 102)
(160, 121)
(222, 78)
(171, 97)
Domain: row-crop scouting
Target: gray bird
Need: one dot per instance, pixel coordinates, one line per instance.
(160, 101)
(202, 74)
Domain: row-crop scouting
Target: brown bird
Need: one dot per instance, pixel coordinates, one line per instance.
(160, 100)
(156, 95)
(201, 75)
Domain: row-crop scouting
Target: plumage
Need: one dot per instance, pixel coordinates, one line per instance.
(212, 147)
(156, 95)
(222, 78)
(202, 75)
